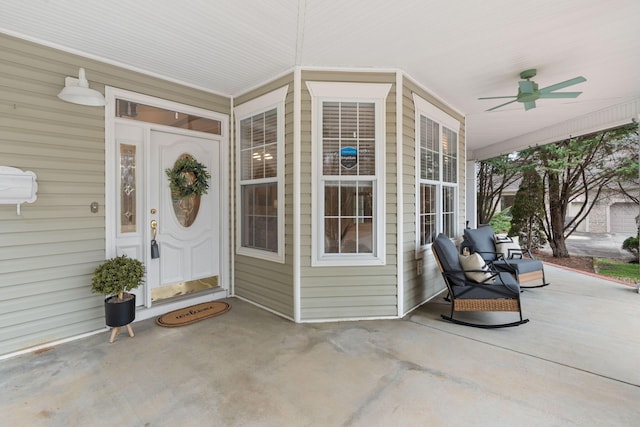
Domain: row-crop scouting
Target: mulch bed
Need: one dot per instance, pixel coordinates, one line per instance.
(582, 263)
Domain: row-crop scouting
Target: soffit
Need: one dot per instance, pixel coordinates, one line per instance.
(457, 50)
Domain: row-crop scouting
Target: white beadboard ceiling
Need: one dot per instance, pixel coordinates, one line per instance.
(458, 50)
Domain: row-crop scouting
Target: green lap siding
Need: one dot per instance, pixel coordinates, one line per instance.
(48, 253)
(268, 283)
(420, 287)
(348, 292)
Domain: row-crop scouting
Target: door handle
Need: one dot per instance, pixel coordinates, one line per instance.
(154, 228)
(155, 250)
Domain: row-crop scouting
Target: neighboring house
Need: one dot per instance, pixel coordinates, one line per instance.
(613, 212)
(327, 188)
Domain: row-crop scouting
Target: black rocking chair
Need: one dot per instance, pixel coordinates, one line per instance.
(498, 292)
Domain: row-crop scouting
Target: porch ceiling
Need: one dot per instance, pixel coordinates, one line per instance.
(458, 50)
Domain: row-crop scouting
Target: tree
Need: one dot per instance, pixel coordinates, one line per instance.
(581, 166)
(528, 210)
(629, 179)
(493, 176)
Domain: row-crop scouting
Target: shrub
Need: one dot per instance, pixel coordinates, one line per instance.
(117, 275)
(632, 245)
(501, 222)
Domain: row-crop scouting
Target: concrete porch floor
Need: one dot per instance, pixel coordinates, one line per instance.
(577, 362)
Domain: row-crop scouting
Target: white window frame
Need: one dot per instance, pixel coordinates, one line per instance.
(428, 110)
(267, 102)
(347, 92)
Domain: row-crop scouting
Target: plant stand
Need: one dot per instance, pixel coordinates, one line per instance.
(119, 314)
(116, 331)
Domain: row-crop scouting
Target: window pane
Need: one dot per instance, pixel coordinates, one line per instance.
(348, 199)
(349, 234)
(257, 131)
(448, 211)
(330, 120)
(245, 134)
(127, 188)
(260, 216)
(428, 203)
(331, 199)
(332, 235)
(367, 120)
(348, 121)
(271, 126)
(331, 157)
(449, 158)
(257, 163)
(270, 155)
(147, 113)
(365, 236)
(245, 164)
(367, 158)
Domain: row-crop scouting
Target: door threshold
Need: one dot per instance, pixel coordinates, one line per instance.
(181, 289)
(186, 296)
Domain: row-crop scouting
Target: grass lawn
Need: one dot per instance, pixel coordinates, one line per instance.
(617, 269)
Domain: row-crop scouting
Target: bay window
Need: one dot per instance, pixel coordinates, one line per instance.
(348, 140)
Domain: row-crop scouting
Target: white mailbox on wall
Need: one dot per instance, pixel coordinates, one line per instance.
(17, 186)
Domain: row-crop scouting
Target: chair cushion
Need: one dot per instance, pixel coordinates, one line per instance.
(508, 246)
(475, 262)
(519, 266)
(448, 257)
(482, 241)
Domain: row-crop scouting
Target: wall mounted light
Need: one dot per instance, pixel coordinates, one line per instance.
(77, 91)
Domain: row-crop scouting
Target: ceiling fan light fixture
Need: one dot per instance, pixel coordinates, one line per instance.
(77, 91)
(528, 91)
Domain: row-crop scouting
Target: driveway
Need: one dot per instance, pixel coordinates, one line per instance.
(597, 245)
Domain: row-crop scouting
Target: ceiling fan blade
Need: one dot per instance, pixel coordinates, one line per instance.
(564, 84)
(560, 95)
(498, 97)
(529, 105)
(501, 105)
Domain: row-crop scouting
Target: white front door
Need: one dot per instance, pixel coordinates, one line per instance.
(188, 236)
(187, 230)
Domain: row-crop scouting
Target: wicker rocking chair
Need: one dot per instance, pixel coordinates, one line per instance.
(497, 292)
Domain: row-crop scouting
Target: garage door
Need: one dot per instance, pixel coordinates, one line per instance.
(623, 218)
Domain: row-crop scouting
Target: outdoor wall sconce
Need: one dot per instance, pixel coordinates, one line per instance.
(77, 91)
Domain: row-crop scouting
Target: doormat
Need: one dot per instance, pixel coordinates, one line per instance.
(193, 314)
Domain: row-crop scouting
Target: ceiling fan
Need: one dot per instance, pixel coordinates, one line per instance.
(528, 90)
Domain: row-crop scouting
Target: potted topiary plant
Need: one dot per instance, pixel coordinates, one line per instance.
(114, 278)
